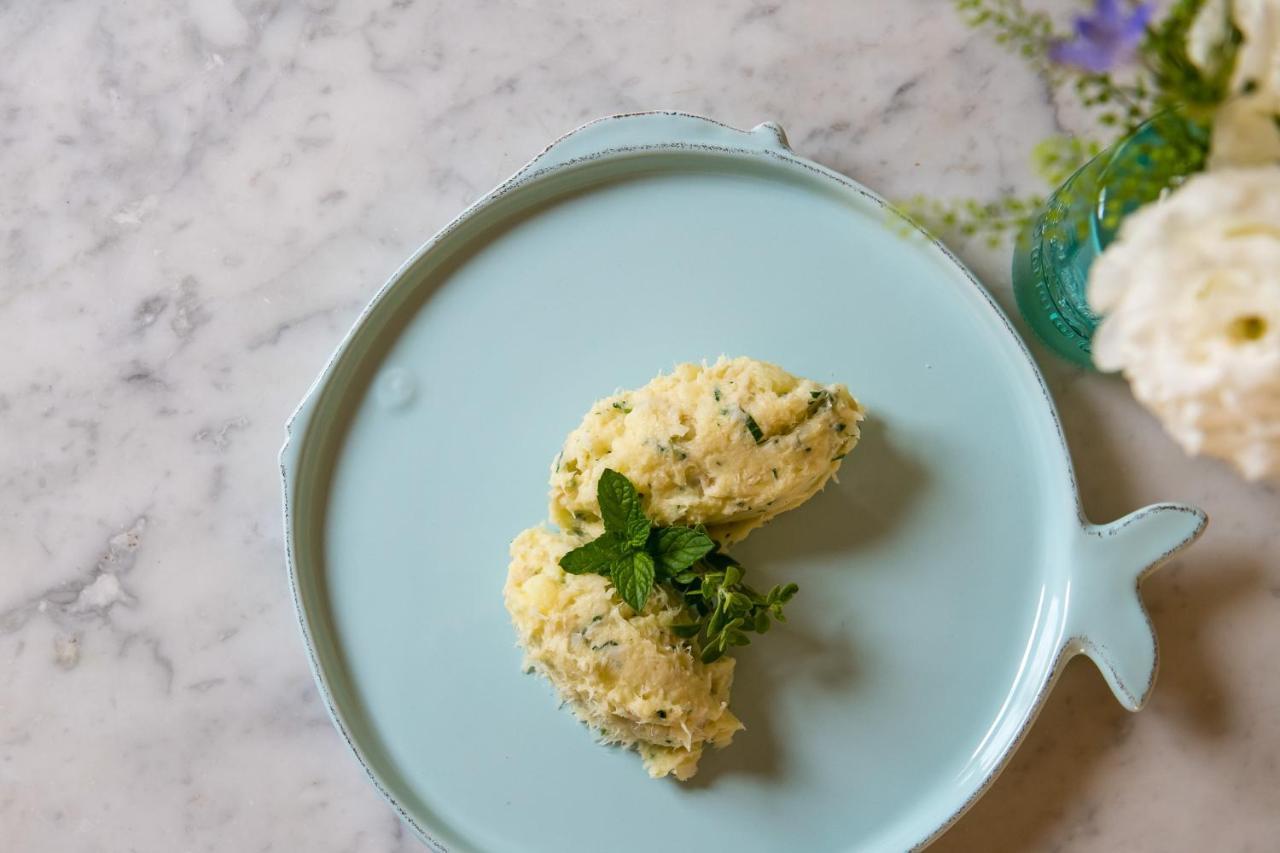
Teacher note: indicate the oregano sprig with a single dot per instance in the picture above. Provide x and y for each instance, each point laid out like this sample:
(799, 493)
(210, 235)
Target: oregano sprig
(725, 607)
(635, 555)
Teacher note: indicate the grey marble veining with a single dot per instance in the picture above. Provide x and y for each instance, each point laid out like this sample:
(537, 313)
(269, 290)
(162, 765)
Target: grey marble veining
(197, 200)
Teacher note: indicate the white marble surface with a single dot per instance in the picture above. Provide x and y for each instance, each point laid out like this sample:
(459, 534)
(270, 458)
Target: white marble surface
(196, 199)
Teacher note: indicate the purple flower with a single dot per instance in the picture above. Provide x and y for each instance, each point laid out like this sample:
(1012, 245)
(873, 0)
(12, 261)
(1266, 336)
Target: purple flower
(1104, 38)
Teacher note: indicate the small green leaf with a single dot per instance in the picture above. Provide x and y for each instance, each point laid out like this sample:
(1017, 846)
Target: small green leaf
(718, 619)
(732, 575)
(595, 556)
(621, 510)
(678, 548)
(633, 578)
(686, 631)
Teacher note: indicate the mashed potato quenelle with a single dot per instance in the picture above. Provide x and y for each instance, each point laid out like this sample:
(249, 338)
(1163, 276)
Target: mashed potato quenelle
(624, 673)
(729, 446)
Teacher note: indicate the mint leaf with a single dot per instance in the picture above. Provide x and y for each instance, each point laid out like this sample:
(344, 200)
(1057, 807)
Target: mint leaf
(620, 509)
(633, 578)
(595, 556)
(677, 548)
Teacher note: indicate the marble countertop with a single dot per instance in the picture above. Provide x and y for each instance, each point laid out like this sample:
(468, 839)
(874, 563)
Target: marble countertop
(196, 201)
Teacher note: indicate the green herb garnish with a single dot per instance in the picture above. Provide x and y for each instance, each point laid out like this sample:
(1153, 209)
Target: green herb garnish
(754, 428)
(635, 555)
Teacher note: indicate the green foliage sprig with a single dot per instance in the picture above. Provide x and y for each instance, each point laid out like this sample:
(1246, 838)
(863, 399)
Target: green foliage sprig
(1162, 79)
(1012, 25)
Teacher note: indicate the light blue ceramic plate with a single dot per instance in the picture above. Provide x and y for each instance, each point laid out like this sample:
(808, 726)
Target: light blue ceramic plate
(943, 582)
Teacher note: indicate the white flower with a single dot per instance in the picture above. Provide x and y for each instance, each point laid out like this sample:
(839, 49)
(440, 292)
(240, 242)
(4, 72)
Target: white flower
(1246, 128)
(1190, 298)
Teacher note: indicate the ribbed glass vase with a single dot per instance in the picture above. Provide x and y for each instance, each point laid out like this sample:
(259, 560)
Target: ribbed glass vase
(1052, 257)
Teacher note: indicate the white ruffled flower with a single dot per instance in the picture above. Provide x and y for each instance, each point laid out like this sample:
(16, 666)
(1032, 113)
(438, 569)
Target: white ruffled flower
(1246, 127)
(1190, 298)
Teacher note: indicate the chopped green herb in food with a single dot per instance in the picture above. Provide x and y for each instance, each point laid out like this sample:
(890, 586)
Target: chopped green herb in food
(754, 428)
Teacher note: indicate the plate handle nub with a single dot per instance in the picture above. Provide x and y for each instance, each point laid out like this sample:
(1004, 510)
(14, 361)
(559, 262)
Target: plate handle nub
(1105, 615)
(646, 131)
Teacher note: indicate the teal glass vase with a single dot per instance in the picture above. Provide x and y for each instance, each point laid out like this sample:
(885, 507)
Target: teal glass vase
(1053, 254)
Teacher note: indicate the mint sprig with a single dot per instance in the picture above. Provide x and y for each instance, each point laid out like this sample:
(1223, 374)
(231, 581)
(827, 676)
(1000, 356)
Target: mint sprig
(631, 551)
(635, 555)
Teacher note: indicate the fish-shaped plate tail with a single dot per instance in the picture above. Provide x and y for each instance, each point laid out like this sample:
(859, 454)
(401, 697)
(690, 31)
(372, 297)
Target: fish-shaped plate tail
(1105, 616)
